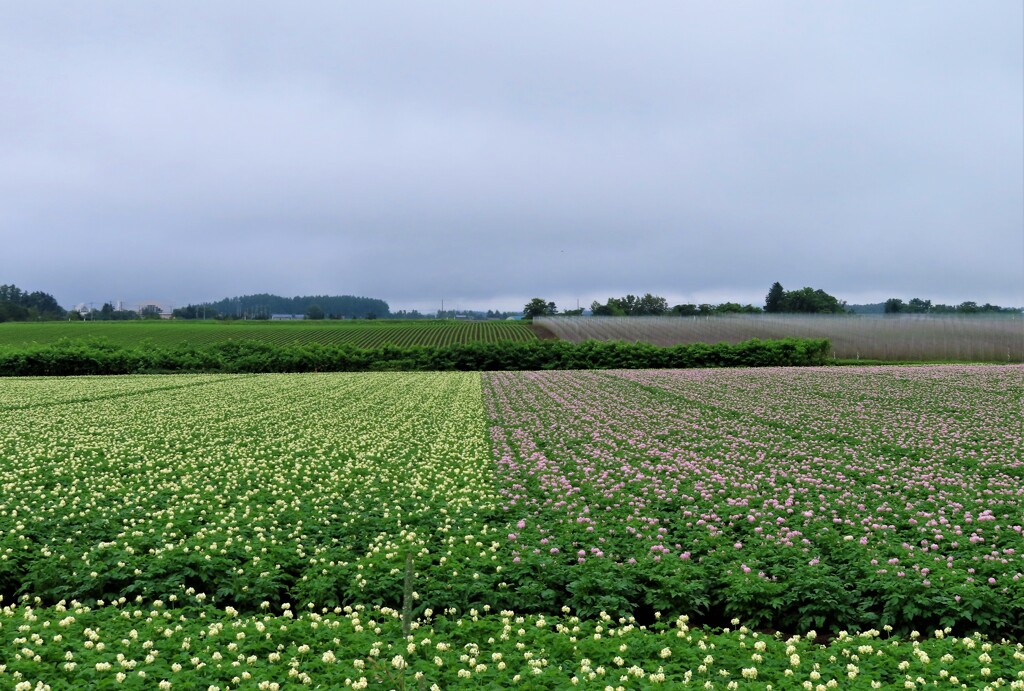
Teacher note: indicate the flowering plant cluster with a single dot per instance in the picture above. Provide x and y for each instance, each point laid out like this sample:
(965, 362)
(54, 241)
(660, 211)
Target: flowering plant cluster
(819, 498)
(246, 489)
(615, 529)
(135, 645)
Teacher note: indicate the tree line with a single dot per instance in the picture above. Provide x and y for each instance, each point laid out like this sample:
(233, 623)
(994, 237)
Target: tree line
(265, 305)
(803, 301)
(20, 305)
(919, 306)
(806, 300)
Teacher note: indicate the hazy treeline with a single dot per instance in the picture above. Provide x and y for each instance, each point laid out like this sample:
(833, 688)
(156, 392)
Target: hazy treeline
(95, 357)
(649, 305)
(806, 300)
(263, 305)
(919, 306)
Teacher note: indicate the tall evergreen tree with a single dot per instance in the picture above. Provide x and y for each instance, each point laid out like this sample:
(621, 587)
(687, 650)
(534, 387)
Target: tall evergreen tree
(773, 302)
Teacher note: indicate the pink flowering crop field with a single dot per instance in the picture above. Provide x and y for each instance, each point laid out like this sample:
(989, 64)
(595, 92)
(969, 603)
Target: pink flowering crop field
(790, 498)
(773, 528)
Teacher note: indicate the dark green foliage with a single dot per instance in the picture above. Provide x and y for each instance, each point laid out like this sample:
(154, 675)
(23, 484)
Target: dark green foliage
(19, 305)
(920, 306)
(12, 312)
(773, 301)
(804, 301)
(631, 306)
(810, 301)
(196, 312)
(706, 310)
(79, 357)
(263, 305)
(537, 307)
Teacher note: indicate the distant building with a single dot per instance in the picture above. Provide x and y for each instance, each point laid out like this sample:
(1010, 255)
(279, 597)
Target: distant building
(286, 317)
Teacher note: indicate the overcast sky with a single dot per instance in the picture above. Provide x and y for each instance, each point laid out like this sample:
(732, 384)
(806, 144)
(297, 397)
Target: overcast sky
(485, 153)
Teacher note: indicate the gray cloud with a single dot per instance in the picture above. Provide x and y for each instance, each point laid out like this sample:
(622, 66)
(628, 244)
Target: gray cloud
(489, 153)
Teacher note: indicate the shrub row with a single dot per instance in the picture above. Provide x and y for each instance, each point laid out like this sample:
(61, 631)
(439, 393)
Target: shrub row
(81, 357)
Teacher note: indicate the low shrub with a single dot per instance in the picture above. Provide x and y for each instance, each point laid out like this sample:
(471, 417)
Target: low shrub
(97, 357)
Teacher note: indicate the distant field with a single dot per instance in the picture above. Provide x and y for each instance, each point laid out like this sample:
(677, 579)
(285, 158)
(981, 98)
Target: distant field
(361, 333)
(978, 338)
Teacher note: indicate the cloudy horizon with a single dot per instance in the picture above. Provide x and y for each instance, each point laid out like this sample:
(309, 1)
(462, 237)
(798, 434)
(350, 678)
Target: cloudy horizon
(485, 154)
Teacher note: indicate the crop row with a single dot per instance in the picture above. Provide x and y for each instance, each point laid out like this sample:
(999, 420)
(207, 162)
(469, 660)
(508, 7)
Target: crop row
(128, 644)
(362, 334)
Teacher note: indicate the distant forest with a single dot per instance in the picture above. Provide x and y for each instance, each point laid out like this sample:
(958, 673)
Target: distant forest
(264, 306)
(919, 306)
(20, 305)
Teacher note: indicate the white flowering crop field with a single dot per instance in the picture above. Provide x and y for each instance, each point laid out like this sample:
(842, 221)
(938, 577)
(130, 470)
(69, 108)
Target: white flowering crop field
(247, 489)
(599, 529)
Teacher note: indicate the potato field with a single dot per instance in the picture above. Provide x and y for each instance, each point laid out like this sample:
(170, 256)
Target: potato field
(856, 527)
